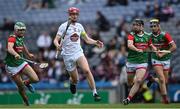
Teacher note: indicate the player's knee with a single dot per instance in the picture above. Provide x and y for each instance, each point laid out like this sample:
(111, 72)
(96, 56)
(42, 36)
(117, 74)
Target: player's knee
(162, 80)
(139, 80)
(87, 72)
(35, 79)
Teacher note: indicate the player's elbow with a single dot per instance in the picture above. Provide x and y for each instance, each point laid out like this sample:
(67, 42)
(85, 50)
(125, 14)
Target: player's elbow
(9, 49)
(175, 47)
(130, 46)
(55, 41)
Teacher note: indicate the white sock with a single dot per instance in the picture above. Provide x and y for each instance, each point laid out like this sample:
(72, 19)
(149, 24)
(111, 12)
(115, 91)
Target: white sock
(94, 91)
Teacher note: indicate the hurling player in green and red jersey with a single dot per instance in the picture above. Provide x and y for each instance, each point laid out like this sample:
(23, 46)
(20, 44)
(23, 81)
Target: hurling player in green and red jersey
(161, 61)
(137, 60)
(15, 66)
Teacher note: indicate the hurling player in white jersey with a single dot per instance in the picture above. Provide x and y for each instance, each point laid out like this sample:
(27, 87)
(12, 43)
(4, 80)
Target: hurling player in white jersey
(72, 52)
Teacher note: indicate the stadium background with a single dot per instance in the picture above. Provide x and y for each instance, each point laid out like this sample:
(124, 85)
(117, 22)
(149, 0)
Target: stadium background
(106, 20)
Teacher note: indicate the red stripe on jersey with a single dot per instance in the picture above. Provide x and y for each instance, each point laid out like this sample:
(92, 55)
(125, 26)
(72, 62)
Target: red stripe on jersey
(12, 39)
(130, 72)
(141, 68)
(157, 65)
(141, 45)
(166, 69)
(168, 37)
(19, 49)
(150, 42)
(130, 37)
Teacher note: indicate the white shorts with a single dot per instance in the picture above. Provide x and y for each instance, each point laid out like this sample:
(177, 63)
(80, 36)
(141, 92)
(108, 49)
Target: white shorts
(14, 70)
(165, 64)
(70, 60)
(132, 67)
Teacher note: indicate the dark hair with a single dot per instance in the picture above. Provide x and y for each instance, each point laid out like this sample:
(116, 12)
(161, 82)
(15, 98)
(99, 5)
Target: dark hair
(139, 21)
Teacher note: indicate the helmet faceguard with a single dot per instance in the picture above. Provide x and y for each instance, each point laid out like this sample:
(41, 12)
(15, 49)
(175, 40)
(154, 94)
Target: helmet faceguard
(20, 28)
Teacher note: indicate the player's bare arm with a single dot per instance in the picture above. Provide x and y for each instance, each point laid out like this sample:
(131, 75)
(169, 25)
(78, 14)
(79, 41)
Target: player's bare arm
(172, 48)
(153, 48)
(91, 41)
(172, 45)
(12, 51)
(56, 42)
(132, 47)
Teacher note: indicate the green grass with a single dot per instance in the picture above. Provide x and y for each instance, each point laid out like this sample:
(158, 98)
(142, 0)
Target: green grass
(95, 106)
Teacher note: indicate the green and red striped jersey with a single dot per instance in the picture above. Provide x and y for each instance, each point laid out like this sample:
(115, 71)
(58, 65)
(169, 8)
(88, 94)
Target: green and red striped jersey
(162, 42)
(18, 47)
(141, 42)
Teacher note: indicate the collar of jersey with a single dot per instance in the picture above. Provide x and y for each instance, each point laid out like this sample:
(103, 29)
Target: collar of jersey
(159, 32)
(140, 35)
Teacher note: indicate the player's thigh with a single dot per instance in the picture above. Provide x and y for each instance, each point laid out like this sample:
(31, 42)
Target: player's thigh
(28, 71)
(159, 71)
(140, 74)
(83, 64)
(130, 78)
(166, 67)
(18, 80)
(130, 69)
(70, 63)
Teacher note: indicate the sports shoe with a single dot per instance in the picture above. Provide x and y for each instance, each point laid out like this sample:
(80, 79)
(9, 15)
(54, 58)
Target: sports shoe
(30, 88)
(126, 101)
(165, 100)
(73, 88)
(26, 102)
(97, 97)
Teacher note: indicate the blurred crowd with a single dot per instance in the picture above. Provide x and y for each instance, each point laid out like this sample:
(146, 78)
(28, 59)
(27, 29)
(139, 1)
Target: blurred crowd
(107, 64)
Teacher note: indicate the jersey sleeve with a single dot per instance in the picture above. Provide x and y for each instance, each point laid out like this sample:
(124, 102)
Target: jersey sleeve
(168, 38)
(83, 32)
(12, 39)
(130, 37)
(61, 30)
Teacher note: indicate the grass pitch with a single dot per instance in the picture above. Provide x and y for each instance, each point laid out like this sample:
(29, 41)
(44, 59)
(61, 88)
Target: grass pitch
(94, 106)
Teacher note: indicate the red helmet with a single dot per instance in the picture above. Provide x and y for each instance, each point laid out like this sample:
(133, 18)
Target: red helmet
(73, 10)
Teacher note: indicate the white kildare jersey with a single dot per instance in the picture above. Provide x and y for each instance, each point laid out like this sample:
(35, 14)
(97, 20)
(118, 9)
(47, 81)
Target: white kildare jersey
(71, 43)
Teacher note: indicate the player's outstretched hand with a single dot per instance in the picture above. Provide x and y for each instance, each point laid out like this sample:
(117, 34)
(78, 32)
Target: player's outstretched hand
(99, 44)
